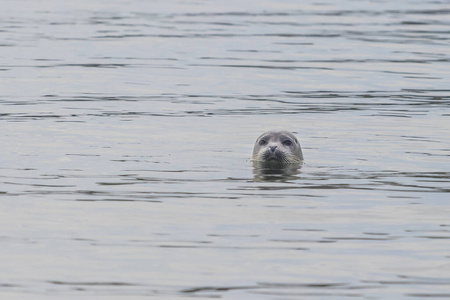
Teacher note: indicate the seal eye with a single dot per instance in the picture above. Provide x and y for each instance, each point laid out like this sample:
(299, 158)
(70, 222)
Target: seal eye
(262, 142)
(287, 143)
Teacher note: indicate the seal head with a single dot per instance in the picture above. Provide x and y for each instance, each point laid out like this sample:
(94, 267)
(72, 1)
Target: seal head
(278, 147)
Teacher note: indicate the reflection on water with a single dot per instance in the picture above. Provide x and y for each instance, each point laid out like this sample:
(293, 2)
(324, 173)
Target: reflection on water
(269, 171)
(127, 128)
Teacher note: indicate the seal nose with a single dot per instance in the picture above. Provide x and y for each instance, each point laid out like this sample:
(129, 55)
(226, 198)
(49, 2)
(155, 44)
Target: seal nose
(272, 148)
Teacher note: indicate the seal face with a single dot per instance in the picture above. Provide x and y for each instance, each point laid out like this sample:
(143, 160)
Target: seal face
(277, 147)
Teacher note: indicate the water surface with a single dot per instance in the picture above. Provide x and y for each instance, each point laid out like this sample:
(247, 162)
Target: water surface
(127, 131)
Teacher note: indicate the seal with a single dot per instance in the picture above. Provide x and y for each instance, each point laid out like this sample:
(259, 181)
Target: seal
(279, 147)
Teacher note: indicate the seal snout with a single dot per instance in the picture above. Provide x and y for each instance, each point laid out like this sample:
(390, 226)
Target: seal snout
(273, 148)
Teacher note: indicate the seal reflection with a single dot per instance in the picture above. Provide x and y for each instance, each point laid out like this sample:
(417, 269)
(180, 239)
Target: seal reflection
(273, 171)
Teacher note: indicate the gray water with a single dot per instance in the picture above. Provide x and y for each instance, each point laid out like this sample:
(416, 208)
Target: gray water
(127, 129)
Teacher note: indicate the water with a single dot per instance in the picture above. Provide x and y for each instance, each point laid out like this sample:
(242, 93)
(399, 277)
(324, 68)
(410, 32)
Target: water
(127, 131)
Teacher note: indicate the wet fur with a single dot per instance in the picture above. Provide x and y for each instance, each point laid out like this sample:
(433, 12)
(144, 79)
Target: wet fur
(283, 154)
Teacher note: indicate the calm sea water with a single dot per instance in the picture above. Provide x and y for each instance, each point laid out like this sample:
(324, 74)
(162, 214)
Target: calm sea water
(127, 129)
